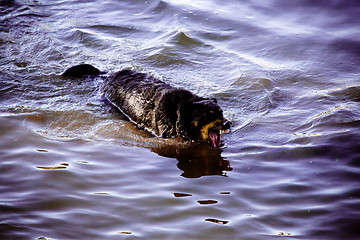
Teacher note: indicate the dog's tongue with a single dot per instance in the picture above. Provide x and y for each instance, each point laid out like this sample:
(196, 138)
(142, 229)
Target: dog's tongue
(215, 139)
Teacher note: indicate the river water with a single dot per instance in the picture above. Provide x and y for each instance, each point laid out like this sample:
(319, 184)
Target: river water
(286, 73)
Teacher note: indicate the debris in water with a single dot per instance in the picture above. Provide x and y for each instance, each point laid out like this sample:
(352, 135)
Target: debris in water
(207, 201)
(216, 221)
(61, 166)
(182, 195)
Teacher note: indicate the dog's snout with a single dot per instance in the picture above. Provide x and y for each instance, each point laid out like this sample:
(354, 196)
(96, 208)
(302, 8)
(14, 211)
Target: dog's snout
(227, 124)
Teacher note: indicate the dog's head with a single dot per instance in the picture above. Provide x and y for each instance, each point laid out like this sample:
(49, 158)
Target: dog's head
(203, 120)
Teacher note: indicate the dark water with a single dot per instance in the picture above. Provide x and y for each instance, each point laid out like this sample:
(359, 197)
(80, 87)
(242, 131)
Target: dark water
(286, 73)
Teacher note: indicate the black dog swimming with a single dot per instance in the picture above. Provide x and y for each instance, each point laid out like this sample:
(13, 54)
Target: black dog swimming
(160, 108)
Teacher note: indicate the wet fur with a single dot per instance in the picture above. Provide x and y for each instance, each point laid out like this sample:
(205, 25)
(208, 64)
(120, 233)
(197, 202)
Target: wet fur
(160, 108)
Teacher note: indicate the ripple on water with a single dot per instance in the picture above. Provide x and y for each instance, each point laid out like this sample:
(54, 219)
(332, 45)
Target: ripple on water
(285, 74)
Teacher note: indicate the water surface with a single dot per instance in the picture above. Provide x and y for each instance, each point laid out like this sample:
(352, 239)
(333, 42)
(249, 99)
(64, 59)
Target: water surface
(286, 73)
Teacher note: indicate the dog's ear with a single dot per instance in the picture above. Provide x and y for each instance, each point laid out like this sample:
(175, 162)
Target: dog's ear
(214, 99)
(206, 101)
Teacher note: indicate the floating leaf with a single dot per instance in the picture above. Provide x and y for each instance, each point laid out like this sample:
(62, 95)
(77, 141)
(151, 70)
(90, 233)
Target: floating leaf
(225, 193)
(207, 201)
(61, 166)
(51, 167)
(216, 221)
(42, 150)
(102, 193)
(182, 195)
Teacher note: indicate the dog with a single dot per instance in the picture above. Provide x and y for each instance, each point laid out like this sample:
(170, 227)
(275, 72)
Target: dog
(159, 108)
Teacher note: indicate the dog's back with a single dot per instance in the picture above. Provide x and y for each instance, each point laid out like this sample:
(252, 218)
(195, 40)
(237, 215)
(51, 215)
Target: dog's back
(147, 101)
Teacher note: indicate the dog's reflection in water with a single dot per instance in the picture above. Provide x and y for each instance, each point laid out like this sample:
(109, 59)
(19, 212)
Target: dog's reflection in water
(196, 160)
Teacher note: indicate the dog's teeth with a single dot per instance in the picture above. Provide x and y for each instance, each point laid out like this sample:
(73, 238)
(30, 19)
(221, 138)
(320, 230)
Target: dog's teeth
(224, 131)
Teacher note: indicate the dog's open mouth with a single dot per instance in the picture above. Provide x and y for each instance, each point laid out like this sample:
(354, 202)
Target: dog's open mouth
(212, 132)
(216, 137)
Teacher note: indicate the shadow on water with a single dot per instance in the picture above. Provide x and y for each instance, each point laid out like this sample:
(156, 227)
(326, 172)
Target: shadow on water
(196, 160)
